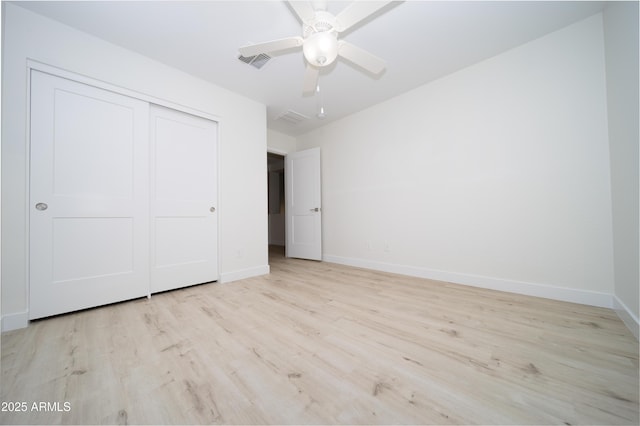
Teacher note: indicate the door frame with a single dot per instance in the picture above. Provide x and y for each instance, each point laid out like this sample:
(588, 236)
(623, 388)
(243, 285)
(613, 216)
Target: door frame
(284, 155)
(33, 65)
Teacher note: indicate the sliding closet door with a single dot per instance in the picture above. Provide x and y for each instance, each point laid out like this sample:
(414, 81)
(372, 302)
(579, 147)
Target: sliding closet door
(89, 218)
(184, 229)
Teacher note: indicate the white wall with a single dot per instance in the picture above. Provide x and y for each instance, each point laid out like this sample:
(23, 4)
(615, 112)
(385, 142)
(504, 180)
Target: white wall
(621, 42)
(280, 143)
(496, 176)
(243, 142)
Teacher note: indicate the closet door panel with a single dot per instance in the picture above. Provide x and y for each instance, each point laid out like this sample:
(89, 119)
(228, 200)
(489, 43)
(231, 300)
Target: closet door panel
(184, 246)
(88, 212)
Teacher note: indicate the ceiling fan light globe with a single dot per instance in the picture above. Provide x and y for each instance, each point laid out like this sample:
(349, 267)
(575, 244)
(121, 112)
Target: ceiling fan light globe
(321, 49)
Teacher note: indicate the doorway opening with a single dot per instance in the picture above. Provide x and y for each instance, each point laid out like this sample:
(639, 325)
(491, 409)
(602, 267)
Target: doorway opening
(276, 209)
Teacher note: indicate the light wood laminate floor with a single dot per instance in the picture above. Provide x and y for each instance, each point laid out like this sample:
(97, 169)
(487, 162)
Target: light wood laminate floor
(318, 343)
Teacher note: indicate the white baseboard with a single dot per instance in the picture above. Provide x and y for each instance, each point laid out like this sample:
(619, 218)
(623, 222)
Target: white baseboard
(228, 277)
(564, 294)
(21, 319)
(627, 317)
(15, 321)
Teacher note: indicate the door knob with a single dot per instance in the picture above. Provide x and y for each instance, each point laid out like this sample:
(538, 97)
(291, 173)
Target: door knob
(212, 209)
(42, 206)
(317, 209)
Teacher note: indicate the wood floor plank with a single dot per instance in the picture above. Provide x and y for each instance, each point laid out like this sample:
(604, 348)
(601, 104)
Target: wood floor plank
(319, 343)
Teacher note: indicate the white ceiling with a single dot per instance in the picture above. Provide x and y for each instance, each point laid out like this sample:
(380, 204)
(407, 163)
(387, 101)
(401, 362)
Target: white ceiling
(420, 40)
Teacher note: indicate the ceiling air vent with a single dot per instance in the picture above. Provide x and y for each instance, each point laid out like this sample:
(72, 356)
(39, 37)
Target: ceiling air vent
(292, 117)
(257, 61)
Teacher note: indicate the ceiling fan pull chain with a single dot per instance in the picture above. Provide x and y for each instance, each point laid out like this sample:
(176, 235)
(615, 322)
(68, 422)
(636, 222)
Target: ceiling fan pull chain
(321, 114)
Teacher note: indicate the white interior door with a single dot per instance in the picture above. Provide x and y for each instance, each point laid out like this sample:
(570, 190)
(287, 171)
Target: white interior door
(184, 229)
(89, 218)
(303, 205)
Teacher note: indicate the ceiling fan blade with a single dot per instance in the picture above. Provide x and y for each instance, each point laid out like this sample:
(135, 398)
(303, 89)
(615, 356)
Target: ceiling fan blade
(361, 57)
(304, 10)
(310, 79)
(271, 46)
(356, 12)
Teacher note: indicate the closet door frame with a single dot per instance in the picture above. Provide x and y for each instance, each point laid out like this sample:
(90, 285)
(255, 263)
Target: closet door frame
(33, 65)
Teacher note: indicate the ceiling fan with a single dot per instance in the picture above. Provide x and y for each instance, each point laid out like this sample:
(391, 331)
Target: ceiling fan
(319, 40)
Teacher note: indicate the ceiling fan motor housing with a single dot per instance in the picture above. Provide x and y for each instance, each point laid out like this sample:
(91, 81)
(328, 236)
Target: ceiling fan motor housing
(321, 22)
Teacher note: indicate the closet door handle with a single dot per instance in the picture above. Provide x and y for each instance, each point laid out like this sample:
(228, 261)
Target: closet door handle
(212, 209)
(42, 206)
